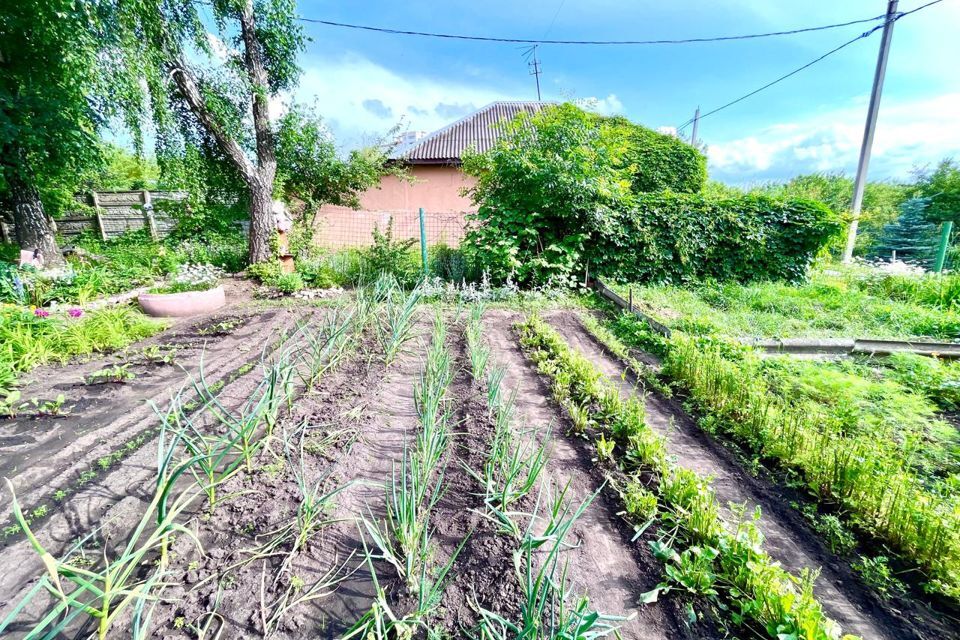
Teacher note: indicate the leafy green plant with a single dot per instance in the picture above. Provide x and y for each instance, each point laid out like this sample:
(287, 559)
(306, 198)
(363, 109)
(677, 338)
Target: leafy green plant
(28, 341)
(289, 282)
(10, 404)
(876, 572)
(387, 256)
(46, 408)
(756, 586)
(118, 373)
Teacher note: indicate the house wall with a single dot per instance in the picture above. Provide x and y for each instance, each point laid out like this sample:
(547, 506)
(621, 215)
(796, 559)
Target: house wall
(435, 188)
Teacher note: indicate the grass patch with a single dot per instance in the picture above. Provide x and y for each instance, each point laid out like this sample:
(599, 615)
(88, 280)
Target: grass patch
(821, 308)
(28, 340)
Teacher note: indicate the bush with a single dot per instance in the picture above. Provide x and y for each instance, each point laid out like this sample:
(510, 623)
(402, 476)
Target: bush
(676, 238)
(317, 273)
(448, 264)
(392, 257)
(289, 282)
(552, 180)
(660, 162)
(564, 190)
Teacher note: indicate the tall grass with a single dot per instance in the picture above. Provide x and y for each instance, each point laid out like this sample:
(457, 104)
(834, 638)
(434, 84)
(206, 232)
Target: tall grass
(28, 341)
(877, 489)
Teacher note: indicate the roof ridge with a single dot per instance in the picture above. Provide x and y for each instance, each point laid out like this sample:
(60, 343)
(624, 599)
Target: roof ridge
(422, 143)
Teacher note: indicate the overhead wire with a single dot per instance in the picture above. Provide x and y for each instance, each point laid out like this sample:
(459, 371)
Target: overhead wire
(454, 36)
(863, 35)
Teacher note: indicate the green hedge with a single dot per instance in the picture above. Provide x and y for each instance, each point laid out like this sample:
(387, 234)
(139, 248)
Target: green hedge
(660, 162)
(675, 238)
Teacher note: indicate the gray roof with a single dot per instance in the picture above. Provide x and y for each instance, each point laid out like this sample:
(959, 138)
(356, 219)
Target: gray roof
(476, 130)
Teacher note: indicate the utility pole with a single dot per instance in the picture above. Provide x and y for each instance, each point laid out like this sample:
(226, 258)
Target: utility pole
(696, 126)
(861, 179)
(534, 64)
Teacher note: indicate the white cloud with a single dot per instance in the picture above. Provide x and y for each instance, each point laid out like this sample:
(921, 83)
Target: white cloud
(909, 133)
(361, 99)
(608, 106)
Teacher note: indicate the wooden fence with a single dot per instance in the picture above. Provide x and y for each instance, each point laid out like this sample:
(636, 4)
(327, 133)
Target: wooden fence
(113, 213)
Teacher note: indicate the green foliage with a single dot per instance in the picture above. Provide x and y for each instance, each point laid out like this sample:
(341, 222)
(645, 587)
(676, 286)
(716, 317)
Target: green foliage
(391, 257)
(942, 187)
(563, 190)
(678, 238)
(660, 162)
(552, 180)
(940, 291)
(912, 236)
(448, 264)
(827, 306)
(310, 170)
(820, 424)
(877, 573)
(702, 550)
(881, 202)
(289, 282)
(57, 88)
(120, 264)
(938, 380)
(29, 341)
(317, 273)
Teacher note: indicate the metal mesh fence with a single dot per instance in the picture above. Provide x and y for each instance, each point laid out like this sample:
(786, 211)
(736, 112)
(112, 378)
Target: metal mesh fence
(342, 227)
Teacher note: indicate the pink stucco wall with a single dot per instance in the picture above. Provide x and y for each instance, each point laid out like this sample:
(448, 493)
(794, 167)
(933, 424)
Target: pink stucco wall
(435, 188)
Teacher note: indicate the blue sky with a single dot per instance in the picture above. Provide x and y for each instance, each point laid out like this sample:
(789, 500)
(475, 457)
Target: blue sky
(364, 83)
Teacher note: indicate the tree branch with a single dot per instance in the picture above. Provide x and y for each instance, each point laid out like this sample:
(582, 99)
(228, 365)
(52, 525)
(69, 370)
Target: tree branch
(187, 85)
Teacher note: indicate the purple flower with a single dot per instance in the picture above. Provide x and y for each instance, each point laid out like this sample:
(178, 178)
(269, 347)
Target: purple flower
(41, 313)
(75, 312)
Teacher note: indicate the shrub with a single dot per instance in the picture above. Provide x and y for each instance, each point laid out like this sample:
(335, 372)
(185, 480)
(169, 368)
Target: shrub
(317, 273)
(392, 257)
(660, 162)
(675, 238)
(289, 282)
(448, 264)
(551, 181)
(564, 190)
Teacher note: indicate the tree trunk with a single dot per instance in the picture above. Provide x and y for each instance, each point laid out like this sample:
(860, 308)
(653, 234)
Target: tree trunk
(259, 176)
(261, 220)
(34, 228)
(262, 224)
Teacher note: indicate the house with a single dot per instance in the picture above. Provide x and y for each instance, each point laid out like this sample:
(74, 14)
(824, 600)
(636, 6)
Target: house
(437, 182)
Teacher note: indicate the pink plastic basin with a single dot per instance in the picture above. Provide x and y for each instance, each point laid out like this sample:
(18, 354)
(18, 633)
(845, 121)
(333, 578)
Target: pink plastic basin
(189, 303)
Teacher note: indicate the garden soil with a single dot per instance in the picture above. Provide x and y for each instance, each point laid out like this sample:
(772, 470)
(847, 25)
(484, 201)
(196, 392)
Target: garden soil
(605, 562)
(789, 539)
(344, 436)
(44, 455)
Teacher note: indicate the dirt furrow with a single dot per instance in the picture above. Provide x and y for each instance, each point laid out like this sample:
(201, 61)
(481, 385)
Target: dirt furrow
(483, 574)
(116, 499)
(46, 454)
(788, 539)
(355, 426)
(606, 564)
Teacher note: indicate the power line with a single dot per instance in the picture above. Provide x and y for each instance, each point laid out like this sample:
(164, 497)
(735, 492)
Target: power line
(863, 35)
(452, 36)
